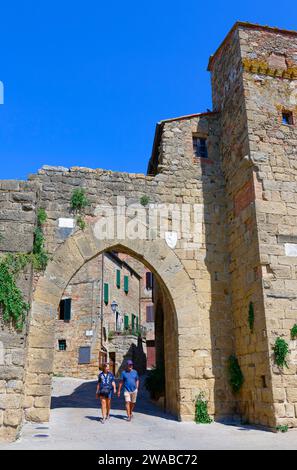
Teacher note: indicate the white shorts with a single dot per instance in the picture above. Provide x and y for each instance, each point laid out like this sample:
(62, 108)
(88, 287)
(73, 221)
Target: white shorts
(130, 396)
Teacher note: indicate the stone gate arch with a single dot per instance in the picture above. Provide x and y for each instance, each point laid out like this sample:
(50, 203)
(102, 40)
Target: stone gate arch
(178, 289)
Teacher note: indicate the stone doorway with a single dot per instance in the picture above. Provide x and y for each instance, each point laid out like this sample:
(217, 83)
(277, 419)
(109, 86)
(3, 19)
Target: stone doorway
(179, 305)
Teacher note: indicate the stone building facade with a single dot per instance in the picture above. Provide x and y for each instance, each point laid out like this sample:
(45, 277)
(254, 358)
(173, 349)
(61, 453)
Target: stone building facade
(100, 318)
(236, 166)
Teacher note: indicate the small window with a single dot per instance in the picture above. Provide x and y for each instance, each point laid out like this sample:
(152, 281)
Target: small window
(65, 310)
(149, 281)
(200, 147)
(62, 344)
(287, 118)
(84, 355)
(150, 314)
(126, 322)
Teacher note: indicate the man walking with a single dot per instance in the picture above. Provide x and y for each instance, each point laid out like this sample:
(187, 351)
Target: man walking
(130, 381)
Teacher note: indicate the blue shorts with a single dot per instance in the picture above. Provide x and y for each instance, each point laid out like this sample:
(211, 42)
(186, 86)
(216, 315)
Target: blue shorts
(109, 395)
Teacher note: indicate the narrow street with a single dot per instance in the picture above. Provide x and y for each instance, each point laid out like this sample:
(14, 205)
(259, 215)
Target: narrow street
(75, 425)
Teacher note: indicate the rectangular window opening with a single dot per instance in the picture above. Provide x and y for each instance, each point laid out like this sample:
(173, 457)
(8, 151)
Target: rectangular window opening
(62, 344)
(65, 310)
(287, 118)
(200, 147)
(149, 280)
(263, 378)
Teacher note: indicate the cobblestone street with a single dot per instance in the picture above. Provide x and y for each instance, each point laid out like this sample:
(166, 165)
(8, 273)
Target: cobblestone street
(75, 425)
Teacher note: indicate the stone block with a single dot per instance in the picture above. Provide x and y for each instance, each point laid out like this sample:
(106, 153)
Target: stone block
(38, 390)
(10, 401)
(42, 402)
(37, 415)
(13, 417)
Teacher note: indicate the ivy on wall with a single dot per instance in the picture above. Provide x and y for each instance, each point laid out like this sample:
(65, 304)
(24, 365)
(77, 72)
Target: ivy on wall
(236, 378)
(281, 351)
(14, 308)
(40, 256)
(294, 331)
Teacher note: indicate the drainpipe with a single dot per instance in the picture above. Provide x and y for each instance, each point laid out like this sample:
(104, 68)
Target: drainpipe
(102, 302)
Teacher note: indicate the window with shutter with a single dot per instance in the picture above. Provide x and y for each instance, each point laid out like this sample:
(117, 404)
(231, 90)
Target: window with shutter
(118, 278)
(65, 310)
(126, 322)
(126, 284)
(106, 293)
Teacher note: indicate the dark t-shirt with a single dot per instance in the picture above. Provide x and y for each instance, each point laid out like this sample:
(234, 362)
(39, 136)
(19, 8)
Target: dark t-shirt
(106, 379)
(129, 379)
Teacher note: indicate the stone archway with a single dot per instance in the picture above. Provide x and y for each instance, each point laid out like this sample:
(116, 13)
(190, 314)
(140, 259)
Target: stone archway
(180, 297)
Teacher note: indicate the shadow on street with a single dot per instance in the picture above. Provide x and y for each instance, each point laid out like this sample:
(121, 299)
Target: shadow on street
(84, 397)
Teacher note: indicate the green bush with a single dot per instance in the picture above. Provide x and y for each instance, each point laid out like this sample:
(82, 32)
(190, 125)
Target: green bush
(81, 222)
(294, 331)
(155, 382)
(144, 200)
(282, 428)
(201, 412)
(79, 200)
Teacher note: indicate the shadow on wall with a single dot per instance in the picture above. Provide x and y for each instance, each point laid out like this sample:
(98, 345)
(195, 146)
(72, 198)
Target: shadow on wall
(222, 403)
(137, 355)
(84, 397)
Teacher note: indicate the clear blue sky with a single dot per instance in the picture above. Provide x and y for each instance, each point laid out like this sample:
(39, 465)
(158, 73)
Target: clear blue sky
(86, 82)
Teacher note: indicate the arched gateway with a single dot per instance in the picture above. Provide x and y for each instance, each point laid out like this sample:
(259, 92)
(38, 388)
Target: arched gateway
(180, 310)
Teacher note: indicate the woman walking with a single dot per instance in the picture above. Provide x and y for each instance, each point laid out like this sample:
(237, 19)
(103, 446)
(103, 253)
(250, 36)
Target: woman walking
(106, 384)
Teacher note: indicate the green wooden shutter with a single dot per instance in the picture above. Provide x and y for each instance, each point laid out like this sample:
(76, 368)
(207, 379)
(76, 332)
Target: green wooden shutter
(126, 322)
(106, 293)
(67, 309)
(118, 281)
(126, 284)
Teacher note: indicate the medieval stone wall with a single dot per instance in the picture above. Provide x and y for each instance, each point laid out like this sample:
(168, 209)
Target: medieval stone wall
(17, 222)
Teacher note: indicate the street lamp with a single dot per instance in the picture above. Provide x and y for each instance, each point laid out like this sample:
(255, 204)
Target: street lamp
(114, 306)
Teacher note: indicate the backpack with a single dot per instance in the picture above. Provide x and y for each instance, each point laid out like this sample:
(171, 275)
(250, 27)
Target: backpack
(105, 384)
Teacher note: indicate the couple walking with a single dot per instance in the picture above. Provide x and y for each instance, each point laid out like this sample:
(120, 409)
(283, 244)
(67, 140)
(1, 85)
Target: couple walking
(106, 385)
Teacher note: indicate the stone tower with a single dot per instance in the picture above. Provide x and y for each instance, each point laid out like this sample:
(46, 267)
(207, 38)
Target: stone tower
(254, 87)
